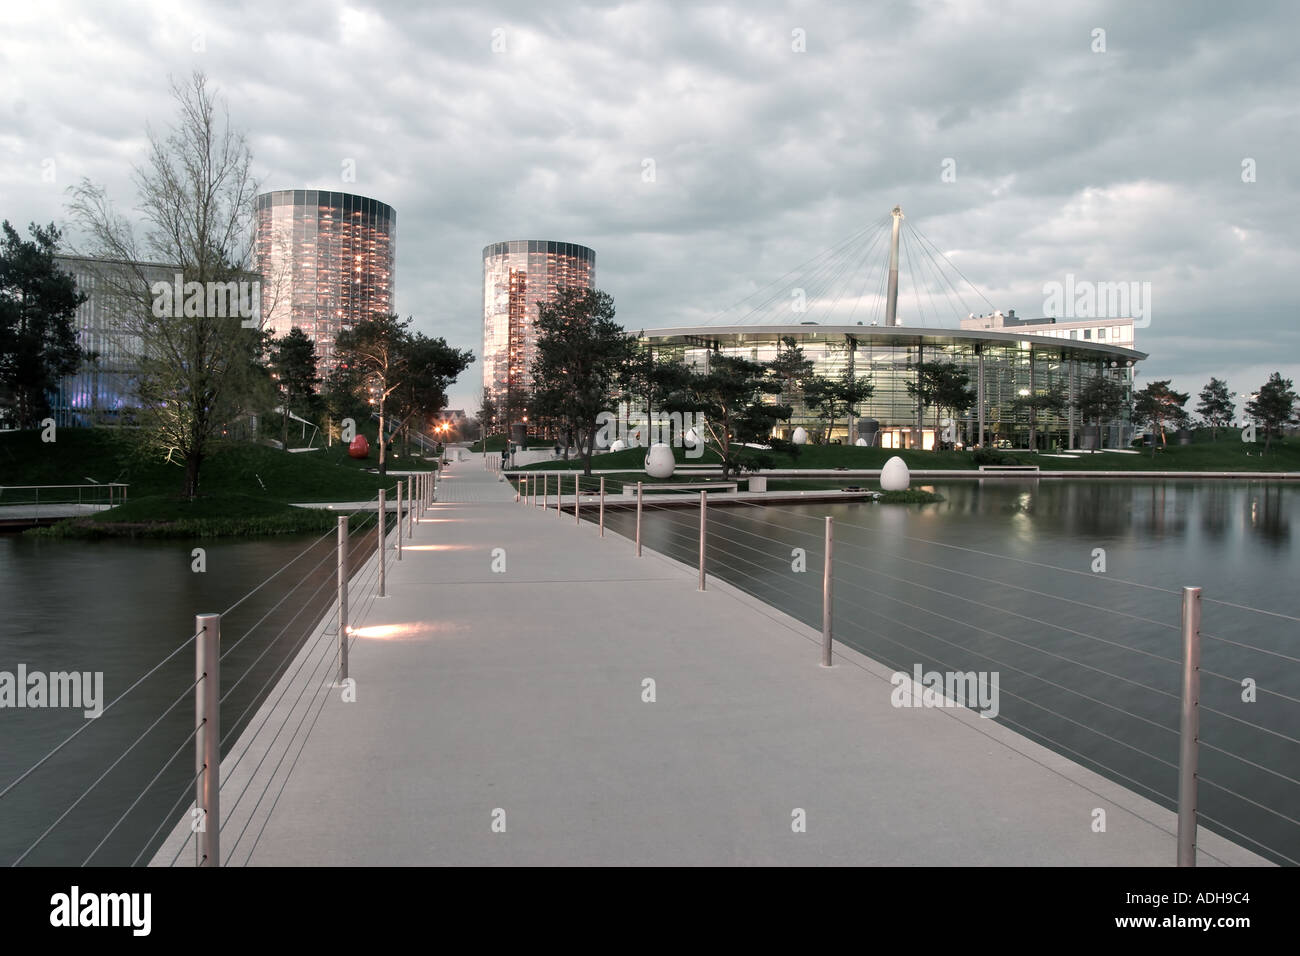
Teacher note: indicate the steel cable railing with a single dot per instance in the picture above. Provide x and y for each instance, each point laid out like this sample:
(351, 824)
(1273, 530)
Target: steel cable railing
(153, 670)
(147, 787)
(271, 776)
(751, 554)
(186, 793)
(111, 767)
(323, 658)
(208, 631)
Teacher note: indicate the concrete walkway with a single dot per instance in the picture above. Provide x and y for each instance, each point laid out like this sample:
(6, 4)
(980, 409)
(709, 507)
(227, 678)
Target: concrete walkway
(514, 701)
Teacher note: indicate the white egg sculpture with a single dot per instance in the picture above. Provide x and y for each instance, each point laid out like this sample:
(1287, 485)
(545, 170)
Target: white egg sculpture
(659, 461)
(895, 476)
(861, 443)
(619, 445)
(800, 437)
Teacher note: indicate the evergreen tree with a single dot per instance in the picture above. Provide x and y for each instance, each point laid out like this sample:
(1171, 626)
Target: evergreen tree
(581, 353)
(1099, 400)
(833, 397)
(730, 395)
(1050, 400)
(293, 363)
(38, 306)
(943, 386)
(1273, 407)
(1217, 406)
(1159, 405)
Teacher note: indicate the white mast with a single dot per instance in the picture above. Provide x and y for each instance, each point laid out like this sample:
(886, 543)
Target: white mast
(891, 303)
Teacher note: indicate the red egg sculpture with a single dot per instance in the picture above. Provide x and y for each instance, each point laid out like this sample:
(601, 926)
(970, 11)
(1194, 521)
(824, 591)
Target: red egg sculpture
(360, 448)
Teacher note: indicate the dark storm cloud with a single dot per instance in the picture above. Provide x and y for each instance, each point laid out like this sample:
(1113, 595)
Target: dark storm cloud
(1115, 166)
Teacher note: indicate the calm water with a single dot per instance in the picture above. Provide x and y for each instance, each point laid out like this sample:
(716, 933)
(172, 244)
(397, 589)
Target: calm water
(1087, 665)
(121, 608)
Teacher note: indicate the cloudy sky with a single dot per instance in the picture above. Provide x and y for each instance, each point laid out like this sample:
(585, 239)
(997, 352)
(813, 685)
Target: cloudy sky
(1163, 150)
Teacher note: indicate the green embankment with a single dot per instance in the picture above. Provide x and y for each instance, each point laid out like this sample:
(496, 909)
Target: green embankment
(1227, 454)
(245, 488)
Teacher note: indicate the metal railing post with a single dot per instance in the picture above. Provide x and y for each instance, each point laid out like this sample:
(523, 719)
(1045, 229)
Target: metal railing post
(827, 578)
(559, 495)
(207, 741)
(411, 505)
(1189, 727)
(343, 598)
(704, 518)
(602, 506)
(638, 519)
(577, 500)
(400, 519)
(379, 548)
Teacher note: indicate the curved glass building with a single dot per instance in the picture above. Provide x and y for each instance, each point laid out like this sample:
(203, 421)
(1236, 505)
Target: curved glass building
(326, 260)
(1002, 366)
(519, 275)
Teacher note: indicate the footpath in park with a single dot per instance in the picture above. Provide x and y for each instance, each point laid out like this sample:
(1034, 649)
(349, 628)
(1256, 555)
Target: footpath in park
(503, 715)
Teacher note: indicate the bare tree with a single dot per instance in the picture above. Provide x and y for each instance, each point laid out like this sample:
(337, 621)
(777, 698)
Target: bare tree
(198, 368)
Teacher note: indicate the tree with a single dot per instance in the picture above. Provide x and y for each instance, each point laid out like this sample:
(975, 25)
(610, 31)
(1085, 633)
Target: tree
(487, 416)
(943, 386)
(1217, 406)
(791, 368)
(38, 340)
(730, 394)
(834, 396)
(1050, 400)
(1273, 406)
(340, 394)
(376, 349)
(199, 369)
(1159, 405)
(654, 381)
(581, 352)
(429, 367)
(1099, 400)
(293, 363)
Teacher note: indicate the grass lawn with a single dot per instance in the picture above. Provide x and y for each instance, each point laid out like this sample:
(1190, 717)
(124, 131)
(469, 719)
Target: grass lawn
(1227, 454)
(244, 488)
(164, 516)
(497, 443)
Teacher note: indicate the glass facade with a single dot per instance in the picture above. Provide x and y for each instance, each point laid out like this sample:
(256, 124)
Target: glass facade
(101, 390)
(326, 260)
(518, 276)
(1014, 365)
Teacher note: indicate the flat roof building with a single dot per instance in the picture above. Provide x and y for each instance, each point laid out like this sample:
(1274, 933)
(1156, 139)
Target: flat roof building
(1002, 364)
